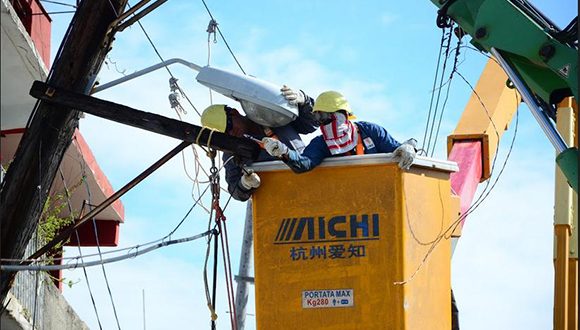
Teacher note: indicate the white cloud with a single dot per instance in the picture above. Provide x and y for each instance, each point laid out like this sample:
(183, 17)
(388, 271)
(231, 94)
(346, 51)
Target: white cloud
(388, 19)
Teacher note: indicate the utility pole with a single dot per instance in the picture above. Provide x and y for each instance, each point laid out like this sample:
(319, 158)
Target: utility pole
(244, 280)
(29, 178)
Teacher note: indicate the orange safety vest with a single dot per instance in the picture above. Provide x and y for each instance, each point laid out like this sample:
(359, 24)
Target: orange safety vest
(359, 149)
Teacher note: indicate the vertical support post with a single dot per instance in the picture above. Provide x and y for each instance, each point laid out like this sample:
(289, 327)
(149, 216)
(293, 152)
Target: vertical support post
(563, 226)
(573, 291)
(29, 178)
(244, 270)
(562, 245)
(573, 256)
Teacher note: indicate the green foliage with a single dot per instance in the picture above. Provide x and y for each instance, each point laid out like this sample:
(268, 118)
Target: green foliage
(66, 281)
(51, 222)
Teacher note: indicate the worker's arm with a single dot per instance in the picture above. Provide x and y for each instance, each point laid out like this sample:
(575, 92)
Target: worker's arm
(312, 156)
(382, 141)
(233, 175)
(305, 122)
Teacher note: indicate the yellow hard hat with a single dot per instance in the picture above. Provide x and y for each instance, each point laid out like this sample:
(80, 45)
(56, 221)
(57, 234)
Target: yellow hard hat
(332, 101)
(214, 117)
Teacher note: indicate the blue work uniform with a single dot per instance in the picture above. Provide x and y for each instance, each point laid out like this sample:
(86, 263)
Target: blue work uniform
(288, 134)
(375, 140)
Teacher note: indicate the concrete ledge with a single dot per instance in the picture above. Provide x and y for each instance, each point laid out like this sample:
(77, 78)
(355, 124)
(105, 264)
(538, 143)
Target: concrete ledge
(55, 313)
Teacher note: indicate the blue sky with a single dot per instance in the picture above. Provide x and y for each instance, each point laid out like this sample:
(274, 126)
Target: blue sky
(382, 56)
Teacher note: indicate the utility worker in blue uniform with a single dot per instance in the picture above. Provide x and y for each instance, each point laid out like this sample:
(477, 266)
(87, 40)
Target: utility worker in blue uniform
(340, 137)
(243, 182)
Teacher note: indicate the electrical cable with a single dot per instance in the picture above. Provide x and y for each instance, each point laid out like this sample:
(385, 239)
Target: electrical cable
(211, 28)
(36, 280)
(487, 189)
(87, 280)
(166, 67)
(496, 131)
(453, 70)
(446, 57)
(482, 196)
(40, 208)
(227, 268)
(485, 193)
(54, 12)
(186, 215)
(114, 9)
(135, 247)
(36, 237)
(182, 92)
(99, 250)
(205, 281)
(59, 3)
(223, 38)
(214, 283)
(15, 268)
(67, 192)
(180, 89)
(433, 88)
(197, 168)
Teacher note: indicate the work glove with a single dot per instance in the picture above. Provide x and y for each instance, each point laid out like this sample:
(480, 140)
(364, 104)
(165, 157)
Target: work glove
(250, 180)
(406, 153)
(274, 147)
(293, 97)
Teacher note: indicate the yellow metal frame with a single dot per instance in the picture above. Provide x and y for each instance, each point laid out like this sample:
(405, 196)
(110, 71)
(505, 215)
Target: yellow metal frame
(566, 229)
(413, 212)
(487, 123)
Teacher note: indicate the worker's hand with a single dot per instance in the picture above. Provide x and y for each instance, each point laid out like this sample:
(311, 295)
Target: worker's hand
(406, 153)
(293, 97)
(250, 180)
(274, 147)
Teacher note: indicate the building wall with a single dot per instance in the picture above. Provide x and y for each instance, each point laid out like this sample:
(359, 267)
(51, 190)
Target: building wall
(37, 23)
(25, 286)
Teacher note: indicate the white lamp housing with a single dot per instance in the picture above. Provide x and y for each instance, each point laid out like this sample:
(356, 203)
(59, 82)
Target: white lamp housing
(261, 100)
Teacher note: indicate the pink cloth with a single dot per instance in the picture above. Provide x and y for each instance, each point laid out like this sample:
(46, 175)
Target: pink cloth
(340, 135)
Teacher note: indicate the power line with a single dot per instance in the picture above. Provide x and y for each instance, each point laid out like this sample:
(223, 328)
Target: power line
(59, 3)
(453, 70)
(15, 268)
(67, 193)
(166, 67)
(100, 255)
(446, 57)
(223, 38)
(487, 189)
(135, 247)
(87, 279)
(485, 193)
(433, 88)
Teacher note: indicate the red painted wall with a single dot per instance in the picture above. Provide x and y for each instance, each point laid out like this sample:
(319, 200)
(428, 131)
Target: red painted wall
(38, 25)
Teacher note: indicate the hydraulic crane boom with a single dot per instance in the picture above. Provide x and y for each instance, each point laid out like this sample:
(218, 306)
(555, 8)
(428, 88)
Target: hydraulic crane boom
(539, 59)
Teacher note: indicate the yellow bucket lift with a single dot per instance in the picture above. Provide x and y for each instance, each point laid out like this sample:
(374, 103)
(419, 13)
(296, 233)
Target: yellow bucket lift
(345, 246)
